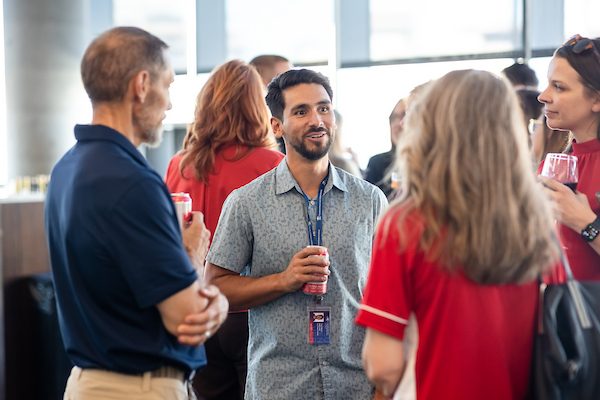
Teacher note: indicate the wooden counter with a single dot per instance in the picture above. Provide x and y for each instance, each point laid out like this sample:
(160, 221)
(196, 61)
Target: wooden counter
(23, 252)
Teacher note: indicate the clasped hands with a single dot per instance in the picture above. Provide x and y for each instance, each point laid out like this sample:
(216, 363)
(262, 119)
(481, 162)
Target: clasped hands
(198, 327)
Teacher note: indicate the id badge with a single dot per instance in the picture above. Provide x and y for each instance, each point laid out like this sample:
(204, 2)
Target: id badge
(319, 318)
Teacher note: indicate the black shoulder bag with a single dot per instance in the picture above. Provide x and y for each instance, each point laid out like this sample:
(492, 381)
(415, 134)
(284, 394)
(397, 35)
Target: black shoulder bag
(566, 360)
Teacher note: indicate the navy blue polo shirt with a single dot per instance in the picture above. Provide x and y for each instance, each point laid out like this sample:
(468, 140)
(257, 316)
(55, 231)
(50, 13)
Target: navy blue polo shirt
(116, 252)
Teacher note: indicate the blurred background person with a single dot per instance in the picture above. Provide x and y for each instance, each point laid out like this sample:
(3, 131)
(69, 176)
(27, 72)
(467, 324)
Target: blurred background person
(532, 109)
(572, 103)
(521, 76)
(228, 145)
(530, 105)
(461, 248)
(379, 167)
(268, 67)
(340, 156)
(545, 140)
(525, 82)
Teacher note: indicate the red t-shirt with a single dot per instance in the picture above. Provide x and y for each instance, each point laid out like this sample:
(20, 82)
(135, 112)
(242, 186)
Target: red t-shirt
(584, 260)
(475, 341)
(229, 173)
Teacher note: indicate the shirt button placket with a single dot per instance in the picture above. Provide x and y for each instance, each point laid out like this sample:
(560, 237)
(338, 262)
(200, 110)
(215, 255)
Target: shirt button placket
(325, 377)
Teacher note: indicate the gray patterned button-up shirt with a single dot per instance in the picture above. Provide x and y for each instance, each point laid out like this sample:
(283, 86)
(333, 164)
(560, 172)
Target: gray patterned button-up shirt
(262, 225)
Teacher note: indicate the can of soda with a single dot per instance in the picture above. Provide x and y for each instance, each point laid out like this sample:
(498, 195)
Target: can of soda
(317, 288)
(183, 206)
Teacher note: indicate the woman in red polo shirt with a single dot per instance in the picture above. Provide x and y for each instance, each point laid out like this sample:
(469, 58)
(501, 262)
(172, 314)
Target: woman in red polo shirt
(572, 103)
(229, 144)
(461, 248)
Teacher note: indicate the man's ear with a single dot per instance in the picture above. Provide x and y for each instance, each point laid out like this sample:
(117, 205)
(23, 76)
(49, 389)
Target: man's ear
(140, 85)
(277, 127)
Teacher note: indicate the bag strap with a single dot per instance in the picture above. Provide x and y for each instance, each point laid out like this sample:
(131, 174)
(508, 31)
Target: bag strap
(574, 289)
(563, 259)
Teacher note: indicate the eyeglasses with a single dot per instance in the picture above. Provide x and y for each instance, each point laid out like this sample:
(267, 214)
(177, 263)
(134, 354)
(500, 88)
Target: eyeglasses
(580, 45)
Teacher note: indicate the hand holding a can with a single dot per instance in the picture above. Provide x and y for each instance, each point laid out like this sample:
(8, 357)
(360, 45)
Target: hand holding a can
(196, 239)
(311, 264)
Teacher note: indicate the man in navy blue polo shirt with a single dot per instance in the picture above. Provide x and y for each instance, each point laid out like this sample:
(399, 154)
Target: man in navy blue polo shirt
(131, 312)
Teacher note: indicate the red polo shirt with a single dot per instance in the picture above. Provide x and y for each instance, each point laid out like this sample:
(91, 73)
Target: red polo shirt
(229, 173)
(475, 341)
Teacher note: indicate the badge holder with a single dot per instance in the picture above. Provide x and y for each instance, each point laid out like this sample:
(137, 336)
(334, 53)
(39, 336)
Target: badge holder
(319, 318)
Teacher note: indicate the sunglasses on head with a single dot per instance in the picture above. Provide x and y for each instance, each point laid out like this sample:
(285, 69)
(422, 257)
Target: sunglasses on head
(580, 45)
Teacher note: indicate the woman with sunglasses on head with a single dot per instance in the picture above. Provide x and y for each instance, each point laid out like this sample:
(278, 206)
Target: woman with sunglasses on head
(461, 247)
(572, 103)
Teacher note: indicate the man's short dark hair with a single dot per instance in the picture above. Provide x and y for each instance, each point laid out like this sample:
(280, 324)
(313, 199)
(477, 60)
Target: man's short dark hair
(521, 74)
(115, 56)
(288, 79)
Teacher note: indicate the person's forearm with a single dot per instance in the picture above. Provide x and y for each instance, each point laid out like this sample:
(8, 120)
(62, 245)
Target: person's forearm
(245, 292)
(383, 361)
(175, 308)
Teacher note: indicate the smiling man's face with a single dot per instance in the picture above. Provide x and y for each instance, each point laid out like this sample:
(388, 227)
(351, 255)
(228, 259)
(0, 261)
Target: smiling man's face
(308, 124)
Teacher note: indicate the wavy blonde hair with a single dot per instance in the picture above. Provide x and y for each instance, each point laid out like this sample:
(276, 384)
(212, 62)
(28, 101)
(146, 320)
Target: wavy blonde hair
(466, 170)
(230, 109)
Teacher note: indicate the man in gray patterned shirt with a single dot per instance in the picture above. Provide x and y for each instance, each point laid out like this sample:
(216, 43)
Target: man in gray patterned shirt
(301, 346)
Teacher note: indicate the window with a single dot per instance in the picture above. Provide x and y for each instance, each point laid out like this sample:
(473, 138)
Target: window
(168, 22)
(366, 96)
(429, 28)
(540, 66)
(3, 138)
(581, 16)
(300, 30)
(183, 94)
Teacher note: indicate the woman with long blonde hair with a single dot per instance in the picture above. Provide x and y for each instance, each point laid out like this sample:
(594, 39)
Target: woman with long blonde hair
(461, 248)
(228, 145)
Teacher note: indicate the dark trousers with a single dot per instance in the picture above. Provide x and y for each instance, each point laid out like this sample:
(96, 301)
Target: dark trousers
(224, 377)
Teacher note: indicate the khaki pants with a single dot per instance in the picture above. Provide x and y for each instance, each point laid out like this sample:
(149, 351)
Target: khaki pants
(93, 384)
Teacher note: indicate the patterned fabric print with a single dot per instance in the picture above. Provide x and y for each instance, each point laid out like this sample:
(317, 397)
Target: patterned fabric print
(262, 225)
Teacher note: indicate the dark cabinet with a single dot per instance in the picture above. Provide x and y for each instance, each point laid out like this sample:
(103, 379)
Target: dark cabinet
(32, 358)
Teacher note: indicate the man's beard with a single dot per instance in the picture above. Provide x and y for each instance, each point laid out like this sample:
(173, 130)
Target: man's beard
(148, 134)
(152, 137)
(312, 154)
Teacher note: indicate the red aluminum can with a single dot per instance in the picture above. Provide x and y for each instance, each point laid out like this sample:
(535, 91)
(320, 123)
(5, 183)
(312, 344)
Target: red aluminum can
(318, 288)
(183, 206)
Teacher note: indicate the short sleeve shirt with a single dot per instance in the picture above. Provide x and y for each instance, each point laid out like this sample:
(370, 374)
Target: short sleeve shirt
(475, 341)
(262, 226)
(116, 252)
(230, 172)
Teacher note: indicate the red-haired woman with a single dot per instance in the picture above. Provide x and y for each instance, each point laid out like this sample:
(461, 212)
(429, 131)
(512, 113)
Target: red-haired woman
(228, 145)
